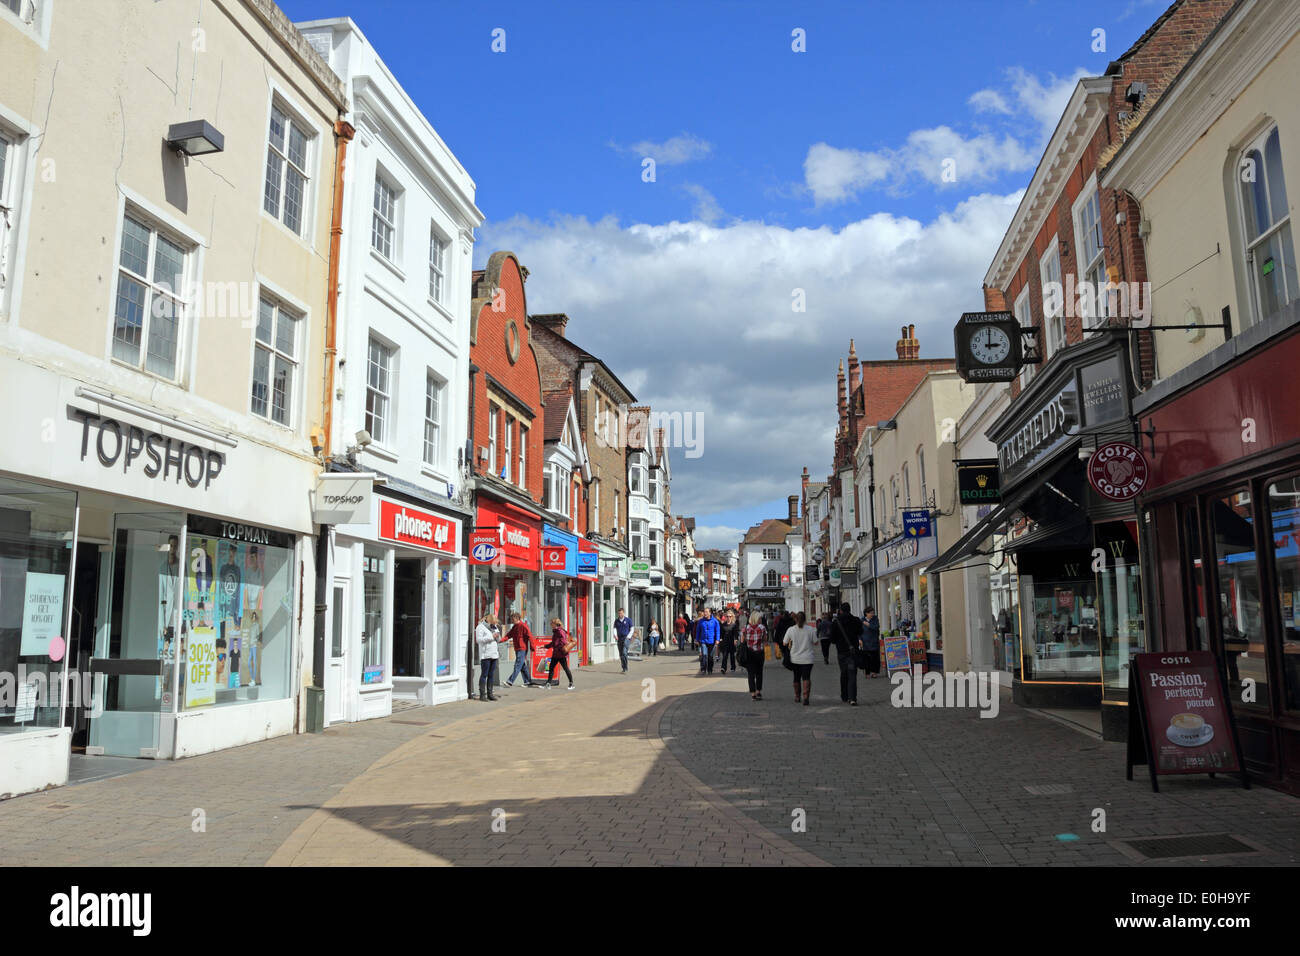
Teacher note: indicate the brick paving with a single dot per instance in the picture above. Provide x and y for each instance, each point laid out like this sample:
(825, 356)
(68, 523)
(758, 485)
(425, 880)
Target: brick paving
(600, 776)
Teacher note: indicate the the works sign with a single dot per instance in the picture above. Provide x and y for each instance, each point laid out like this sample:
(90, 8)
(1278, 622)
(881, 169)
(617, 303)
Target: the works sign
(1042, 433)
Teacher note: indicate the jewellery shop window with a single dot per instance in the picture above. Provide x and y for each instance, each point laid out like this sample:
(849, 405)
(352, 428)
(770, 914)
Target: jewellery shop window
(1058, 600)
(1120, 623)
(35, 537)
(1240, 598)
(237, 615)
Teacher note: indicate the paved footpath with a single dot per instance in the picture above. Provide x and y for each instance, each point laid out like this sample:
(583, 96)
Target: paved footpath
(687, 771)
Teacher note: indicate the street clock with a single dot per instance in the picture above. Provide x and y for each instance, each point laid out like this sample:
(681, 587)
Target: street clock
(988, 347)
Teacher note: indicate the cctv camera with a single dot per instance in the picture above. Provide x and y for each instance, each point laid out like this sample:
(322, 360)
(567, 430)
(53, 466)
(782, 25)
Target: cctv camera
(363, 438)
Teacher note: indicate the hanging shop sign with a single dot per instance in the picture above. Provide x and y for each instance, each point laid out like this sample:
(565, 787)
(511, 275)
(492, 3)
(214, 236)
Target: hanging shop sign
(554, 557)
(988, 346)
(819, 554)
(1181, 723)
(588, 561)
(483, 548)
(342, 498)
(405, 525)
(916, 523)
(1118, 471)
(1042, 433)
(518, 539)
(683, 584)
(640, 571)
(848, 577)
(1103, 395)
(978, 482)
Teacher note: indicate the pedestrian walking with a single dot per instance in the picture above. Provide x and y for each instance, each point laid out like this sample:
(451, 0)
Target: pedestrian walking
(781, 623)
(755, 636)
(801, 638)
(655, 637)
(729, 635)
(706, 636)
(487, 636)
(824, 635)
(846, 632)
(560, 646)
(679, 629)
(522, 640)
(690, 629)
(622, 628)
(871, 641)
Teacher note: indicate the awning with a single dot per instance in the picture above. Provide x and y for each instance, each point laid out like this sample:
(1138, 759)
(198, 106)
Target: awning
(969, 543)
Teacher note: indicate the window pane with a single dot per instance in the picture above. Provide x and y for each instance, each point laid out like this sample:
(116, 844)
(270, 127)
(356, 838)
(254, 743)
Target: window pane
(271, 193)
(281, 391)
(1275, 271)
(1284, 512)
(129, 320)
(377, 375)
(163, 330)
(376, 406)
(1254, 194)
(265, 320)
(297, 147)
(278, 123)
(1276, 182)
(285, 333)
(293, 188)
(135, 246)
(168, 264)
(261, 381)
(1240, 608)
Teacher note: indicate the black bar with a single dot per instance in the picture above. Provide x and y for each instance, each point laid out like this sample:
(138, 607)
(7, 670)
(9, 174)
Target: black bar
(145, 667)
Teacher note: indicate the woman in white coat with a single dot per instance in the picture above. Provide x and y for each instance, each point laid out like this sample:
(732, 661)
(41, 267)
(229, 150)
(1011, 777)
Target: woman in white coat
(487, 635)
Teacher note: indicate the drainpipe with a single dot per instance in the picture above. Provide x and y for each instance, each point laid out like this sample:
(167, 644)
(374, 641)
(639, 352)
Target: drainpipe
(343, 133)
(469, 568)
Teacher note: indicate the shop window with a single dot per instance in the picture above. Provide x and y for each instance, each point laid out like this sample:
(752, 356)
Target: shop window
(284, 195)
(1270, 252)
(1284, 515)
(36, 525)
(1058, 600)
(379, 389)
(446, 606)
(372, 617)
(1120, 623)
(275, 361)
(238, 612)
(408, 617)
(149, 310)
(1240, 599)
(1194, 571)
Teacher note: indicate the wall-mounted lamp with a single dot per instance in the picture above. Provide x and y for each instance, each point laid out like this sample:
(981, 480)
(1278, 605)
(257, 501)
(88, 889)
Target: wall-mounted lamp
(888, 426)
(195, 138)
(1065, 248)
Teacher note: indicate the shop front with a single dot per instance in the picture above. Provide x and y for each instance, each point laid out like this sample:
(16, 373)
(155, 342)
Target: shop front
(149, 583)
(1222, 526)
(1070, 472)
(567, 597)
(641, 597)
(511, 580)
(907, 597)
(396, 609)
(612, 588)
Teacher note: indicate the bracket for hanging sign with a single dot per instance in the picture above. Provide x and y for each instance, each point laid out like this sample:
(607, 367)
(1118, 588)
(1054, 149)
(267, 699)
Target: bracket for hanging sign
(1030, 351)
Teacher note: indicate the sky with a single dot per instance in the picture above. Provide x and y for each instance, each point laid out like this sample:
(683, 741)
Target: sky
(868, 177)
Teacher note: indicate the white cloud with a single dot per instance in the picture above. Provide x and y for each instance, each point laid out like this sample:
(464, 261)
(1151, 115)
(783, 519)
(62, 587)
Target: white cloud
(671, 152)
(988, 101)
(718, 536)
(706, 208)
(698, 318)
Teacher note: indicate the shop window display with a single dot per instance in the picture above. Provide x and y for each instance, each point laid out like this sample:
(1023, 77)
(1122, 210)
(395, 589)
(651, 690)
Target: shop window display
(1120, 622)
(1284, 514)
(446, 605)
(36, 528)
(1059, 619)
(372, 623)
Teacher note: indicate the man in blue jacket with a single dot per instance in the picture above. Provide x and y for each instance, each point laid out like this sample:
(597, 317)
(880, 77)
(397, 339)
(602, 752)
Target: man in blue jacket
(706, 635)
(622, 628)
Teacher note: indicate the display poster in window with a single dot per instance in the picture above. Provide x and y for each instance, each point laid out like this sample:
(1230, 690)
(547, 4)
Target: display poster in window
(1183, 723)
(25, 705)
(202, 651)
(897, 657)
(42, 613)
(1064, 600)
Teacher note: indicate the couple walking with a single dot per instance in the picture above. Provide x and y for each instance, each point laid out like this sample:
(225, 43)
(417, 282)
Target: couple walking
(722, 633)
(857, 645)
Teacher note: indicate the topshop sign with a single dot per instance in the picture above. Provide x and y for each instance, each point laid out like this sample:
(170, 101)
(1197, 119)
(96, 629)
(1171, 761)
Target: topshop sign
(131, 448)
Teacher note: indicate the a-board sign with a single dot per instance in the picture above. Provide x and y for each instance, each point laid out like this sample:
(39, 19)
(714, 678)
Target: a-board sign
(896, 654)
(1180, 720)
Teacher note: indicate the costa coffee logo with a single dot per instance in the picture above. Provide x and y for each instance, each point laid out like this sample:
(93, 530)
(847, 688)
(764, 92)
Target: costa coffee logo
(1118, 471)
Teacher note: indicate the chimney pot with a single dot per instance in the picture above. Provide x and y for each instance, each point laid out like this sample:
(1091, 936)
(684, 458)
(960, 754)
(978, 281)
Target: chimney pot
(794, 508)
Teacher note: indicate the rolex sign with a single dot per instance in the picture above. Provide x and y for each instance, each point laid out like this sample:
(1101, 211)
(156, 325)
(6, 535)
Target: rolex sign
(977, 482)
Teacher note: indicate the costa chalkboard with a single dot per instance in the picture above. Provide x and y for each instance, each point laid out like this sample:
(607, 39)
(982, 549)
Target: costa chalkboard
(1180, 720)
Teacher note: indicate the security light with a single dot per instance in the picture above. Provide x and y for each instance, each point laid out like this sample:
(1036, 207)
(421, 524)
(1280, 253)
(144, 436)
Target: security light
(363, 438)
(195, 138)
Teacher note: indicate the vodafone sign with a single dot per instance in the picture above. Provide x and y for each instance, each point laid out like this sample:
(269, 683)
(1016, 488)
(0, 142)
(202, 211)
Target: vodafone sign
(554, 557)
(1118, 471)
(403, 524)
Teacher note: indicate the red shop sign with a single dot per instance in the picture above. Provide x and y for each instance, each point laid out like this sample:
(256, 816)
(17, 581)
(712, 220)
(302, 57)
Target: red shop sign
(484, 548)
(517, 540)
(403, 524)
(1118, 471)
(554, 557)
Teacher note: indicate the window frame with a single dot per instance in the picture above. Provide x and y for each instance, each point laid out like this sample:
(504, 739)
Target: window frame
(189, 247)
(387, 418)
(1025, 319)
(435, 388)
(1101, 304)
(393, 225)
(523, 456)
(508, 448)
(293, 119)
(1054, 335)
(297, 315)
(1278, 228)
(442, 245)
(494, 418)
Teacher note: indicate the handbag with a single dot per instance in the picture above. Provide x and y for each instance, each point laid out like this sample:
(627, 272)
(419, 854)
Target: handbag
(742, 655)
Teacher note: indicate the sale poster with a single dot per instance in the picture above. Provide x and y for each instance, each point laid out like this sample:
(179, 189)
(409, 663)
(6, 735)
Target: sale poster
(201, 669)
(42, 613)
(205, 655)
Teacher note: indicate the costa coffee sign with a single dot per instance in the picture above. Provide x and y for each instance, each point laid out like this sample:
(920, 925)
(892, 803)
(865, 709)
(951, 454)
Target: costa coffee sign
(403, 524)
(1118, 471)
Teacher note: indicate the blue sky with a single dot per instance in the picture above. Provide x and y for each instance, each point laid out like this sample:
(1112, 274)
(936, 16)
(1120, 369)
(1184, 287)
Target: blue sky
(775, 170)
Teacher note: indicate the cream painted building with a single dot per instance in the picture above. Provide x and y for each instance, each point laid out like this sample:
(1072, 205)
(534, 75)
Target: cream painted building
(913, 470)
(162, 320)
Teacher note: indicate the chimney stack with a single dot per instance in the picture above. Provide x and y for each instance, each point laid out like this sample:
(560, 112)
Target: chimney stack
(794, 509)
(804, 485)
(994, 300)
(909, 349)
(843, 405)
(555, 321)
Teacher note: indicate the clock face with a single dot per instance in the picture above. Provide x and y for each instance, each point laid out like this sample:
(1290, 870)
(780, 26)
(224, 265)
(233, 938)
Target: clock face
(990, 345)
